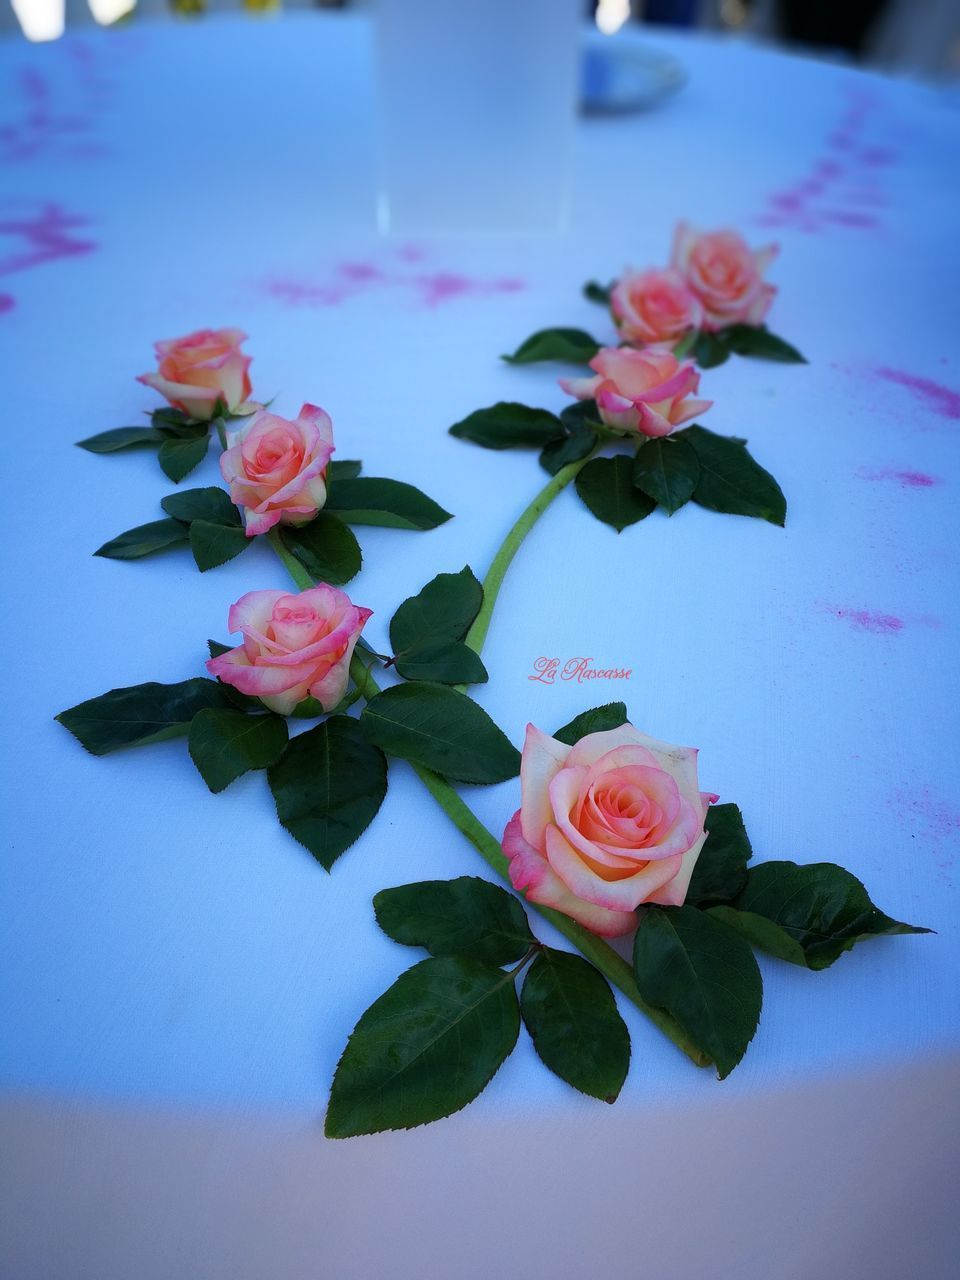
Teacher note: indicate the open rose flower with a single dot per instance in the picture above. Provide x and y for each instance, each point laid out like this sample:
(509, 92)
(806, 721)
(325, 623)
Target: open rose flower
(654, 306)
(642, 391)
(277, 469)
(294, 646)
(605, 825)
(725, 274)
(196, 372)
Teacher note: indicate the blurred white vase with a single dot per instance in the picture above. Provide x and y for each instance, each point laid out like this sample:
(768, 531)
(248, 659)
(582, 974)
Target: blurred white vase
(477, 101)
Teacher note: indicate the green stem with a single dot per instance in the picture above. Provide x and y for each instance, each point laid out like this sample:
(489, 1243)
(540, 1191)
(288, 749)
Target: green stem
(290, 562)
(511, 545)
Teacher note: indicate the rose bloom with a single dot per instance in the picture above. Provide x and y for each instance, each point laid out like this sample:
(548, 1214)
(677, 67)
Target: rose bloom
(196, 371)
(294, 646)
(277, 469)
(725, 275)
(641, 391)
(654, 306)
(605, 825)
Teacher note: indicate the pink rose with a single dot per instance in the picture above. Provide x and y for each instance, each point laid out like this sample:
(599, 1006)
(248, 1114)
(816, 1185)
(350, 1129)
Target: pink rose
(196, 371)
(643, 391)
(277, 469)
(294, 646)
(725, 275)
(605, 825)
(654, 306)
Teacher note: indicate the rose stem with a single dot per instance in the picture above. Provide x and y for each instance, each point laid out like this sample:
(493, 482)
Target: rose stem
(511, 545)
(598, 952)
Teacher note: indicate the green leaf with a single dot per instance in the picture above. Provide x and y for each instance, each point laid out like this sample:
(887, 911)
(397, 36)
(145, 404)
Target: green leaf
(217, 649)
(225, 744)
(809, 914)
(598, 720)
(667, 470)
(730, 481)
(573, 346)
(214, 544)
(326, 547)
(709, 350)
(721, 869)
(140, 713)
(425, 1049)
(390, 503)
(120, 438)
(579, 421)
(761, 933)
(211, 504)
(593, 291)
(582, 413)
(507, 425)
(450, 662)
(328, 786)
(440, 729)
(343, 469)
(172, 424)
(179, 457)
(442, 610)
(463, 917)
(705, 975)
(572, 1017)
(758, 341)
(606, 488)
(427, 629)
(144, 540)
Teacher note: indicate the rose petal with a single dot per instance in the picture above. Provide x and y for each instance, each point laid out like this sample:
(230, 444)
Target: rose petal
(540, 760)
(531, 874)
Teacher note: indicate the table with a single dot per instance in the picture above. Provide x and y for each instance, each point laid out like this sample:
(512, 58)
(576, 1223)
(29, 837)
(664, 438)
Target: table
(178, 976)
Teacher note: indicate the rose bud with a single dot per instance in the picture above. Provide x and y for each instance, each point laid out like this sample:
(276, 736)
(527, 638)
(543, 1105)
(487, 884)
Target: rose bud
(294, 646)
(725, 275)
(199, 371)
(654, 307)
(276, 469)
(640, 391)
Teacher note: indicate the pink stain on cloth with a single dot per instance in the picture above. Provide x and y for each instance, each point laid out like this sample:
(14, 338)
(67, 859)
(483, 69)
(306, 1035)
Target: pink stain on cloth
(44, 235)
(928, 818)
(822, 197)
(878, 624)
(934, 396)
(906, 479)
(353, 279)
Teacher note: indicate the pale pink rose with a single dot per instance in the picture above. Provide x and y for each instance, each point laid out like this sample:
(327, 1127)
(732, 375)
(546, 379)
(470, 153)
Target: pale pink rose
(197, 371)
(725, 275)
(654, 306)
(605, 825)
(294, 646)
(277, 469)
(641, 391)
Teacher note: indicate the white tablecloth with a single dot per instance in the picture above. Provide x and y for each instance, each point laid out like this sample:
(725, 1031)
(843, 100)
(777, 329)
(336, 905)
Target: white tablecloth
(166, 953)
